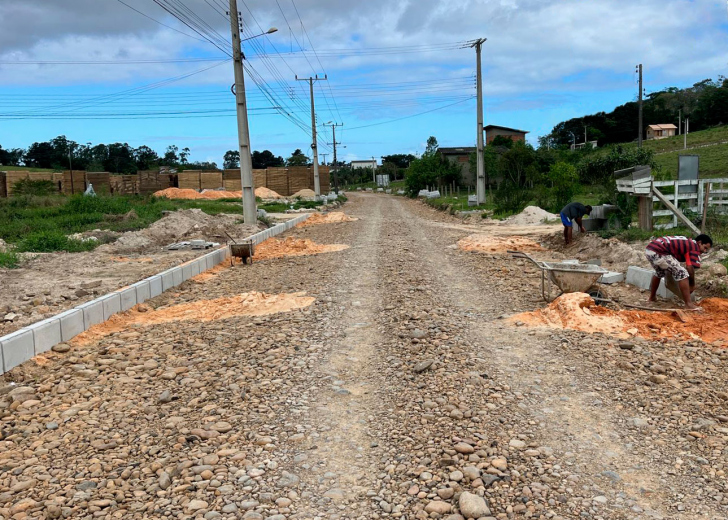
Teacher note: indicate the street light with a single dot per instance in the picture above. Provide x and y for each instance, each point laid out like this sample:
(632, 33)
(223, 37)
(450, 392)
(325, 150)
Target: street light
(574, 138)
(269, 31)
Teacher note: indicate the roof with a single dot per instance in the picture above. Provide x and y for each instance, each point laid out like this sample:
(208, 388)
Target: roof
(514, 130)
(365, 161)
(457, 151)
(663, 127)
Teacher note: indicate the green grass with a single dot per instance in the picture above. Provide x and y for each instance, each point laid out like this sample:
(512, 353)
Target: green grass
(25, 169)
(713, 161)
(282, 207)
(712, 135)
(9, 259)
(42, 223)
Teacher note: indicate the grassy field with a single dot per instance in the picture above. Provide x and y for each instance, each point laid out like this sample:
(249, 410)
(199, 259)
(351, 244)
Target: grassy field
(24, 169)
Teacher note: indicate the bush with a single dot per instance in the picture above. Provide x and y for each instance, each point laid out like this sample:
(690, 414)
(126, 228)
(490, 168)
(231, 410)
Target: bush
(50, 241)
(599, 168)
(9, 259)
(35, 188)
(564, 184)
(510, 197)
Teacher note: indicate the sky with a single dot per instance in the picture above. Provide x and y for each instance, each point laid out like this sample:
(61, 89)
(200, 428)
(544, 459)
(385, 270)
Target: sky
(104, 71)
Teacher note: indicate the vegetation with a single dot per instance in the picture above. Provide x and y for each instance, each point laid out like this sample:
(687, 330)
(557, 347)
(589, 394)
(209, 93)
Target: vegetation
(9, 259)
(431, 170)
(33, 187)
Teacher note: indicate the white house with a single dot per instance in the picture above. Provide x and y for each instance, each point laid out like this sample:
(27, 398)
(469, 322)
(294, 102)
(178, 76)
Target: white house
(367, 163)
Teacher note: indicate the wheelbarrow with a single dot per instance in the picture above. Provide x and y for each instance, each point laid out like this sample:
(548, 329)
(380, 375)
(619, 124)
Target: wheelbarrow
(243, 250)
(569, 278)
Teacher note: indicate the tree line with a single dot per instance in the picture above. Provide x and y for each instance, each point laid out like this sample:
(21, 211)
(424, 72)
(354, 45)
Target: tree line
(705, 103)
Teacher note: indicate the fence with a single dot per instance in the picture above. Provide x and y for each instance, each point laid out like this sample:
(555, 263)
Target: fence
(693, 201)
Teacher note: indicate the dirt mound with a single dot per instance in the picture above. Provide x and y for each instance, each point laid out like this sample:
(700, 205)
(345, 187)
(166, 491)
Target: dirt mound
(531, 215)
(277, 248)
(180, 225)
(326, 218)
(496, 244)
(266, 193)
(245, 304)
(614, 254)
(579, 312)
(304, 194)
(177, 193)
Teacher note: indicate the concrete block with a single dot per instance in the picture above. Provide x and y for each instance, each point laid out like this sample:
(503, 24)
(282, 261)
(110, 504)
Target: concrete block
(662, 290)
(155, 286)
(611, 277)
(198, 266)
(112, 304)
(46, 333)
(187, 272)
(17, 347)
(143, 292)
(209, 261)
(128, 298)
(93, 313)
(167, 280)
(639, 277)
(570, 262)
(71, 323)
(594, 261)
(177, 276)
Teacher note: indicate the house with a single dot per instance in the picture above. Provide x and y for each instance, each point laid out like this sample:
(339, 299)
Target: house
(367, 163)
(493, 131)
(579, 146)
(461, 157)
(661, 131)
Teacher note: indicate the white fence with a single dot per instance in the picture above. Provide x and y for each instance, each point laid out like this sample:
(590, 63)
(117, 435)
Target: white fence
(717, 196)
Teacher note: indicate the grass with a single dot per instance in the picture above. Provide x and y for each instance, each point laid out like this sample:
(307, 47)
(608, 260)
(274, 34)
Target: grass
(9, 259)
(41, 224)
(25, 169)
(282, 207)
(712, 135)
(713, 161)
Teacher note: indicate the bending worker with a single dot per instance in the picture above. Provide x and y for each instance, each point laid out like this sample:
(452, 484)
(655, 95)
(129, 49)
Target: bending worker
(665, 255)
(573, 211)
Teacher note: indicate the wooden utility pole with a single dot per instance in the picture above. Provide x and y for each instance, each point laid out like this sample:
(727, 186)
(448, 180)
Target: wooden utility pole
(336, 167)
(639, 135)
(480, 179)
(314, 145)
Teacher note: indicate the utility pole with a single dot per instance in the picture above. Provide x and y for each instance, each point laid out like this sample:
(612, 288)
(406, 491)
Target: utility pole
(685, 134)
(480, 182)
(679, 122)
(70, 167)
(314, 146)
(324, 154)
(250, 213)
(374, 171)
(585, 136)
(336, 165)
(639, 135)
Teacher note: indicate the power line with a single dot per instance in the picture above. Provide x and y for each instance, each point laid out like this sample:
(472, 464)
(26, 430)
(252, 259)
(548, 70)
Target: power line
(157, 21)
(413, 115)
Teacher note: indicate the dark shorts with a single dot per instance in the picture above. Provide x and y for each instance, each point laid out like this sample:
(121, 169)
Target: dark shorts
(663, 264)
(565, 220)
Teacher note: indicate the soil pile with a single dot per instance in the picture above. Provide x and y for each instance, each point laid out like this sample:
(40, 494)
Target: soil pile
(266, 193)
(614, 254)
(177, 193)
(277, 248)
(245, 304)
(495, 244)
(579, 312)
(178, 226)
(531, 215)
(326, 218)
(304, 194)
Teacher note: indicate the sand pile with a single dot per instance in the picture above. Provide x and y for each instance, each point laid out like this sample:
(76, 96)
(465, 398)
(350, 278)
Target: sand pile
(245, 304)
(279, 248)
(495, 244)
(326, 218)
(266, 193)
(614, 254)
(177, 193)
(178, 226)
(531, 215)
(579, 312)
(304, 194)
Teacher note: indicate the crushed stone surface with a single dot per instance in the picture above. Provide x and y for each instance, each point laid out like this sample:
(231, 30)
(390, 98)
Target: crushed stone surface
(398, 393)
(498, 244)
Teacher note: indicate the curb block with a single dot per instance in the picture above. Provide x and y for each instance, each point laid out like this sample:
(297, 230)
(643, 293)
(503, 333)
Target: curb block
(21, 345)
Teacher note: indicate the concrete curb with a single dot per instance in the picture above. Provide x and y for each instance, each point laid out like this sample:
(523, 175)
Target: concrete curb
(21, 345)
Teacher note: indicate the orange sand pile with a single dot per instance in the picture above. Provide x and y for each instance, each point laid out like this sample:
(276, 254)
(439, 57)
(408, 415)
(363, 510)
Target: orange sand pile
(177, 193)
(277, 248)
(326, 218)
(579, 312)
(245, 304)
(127, 259)
(266, 193)
(304, 193)
(494, 244)
(212, 273)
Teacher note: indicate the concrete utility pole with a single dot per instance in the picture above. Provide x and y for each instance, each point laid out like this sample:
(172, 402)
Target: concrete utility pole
(314, 145)
(336, 165)
(679, 122)
(250, 213)
(639, 135)
(480, 180)
(585, 139)
(685, 134)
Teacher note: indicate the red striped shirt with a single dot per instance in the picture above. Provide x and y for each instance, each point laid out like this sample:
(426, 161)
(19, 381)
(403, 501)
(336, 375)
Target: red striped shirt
(683, 249)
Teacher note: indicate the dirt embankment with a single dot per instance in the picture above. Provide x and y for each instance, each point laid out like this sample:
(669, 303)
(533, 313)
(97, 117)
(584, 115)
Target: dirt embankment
(333, 217)
(498, 244)
(578, 311)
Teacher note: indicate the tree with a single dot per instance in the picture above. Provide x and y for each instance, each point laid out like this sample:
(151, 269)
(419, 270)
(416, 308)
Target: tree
(231, 160)
(120, 159)
(145, 158)
(183, 155)
(564, 184)
(503, 140)
(170, 156)
(297, 159)
(400, 160)
(432, 146)
(266, 159)
(40, 155)
(11, 157)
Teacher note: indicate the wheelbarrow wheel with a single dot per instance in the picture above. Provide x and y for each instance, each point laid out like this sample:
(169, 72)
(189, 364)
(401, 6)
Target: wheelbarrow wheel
(598, 293)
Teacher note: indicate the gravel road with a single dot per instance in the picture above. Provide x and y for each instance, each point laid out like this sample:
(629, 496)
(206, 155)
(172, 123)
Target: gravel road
(400, 393)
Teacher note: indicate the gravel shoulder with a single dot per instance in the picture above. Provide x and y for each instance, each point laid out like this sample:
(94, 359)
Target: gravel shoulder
(399, 393)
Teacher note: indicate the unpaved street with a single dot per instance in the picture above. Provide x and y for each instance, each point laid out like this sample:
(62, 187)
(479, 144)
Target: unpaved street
(401, 392)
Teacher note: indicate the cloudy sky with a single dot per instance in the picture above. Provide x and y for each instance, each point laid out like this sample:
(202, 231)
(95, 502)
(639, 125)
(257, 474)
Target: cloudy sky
(398, 72)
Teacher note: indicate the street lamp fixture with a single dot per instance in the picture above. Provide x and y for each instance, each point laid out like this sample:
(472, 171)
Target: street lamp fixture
(269, 31)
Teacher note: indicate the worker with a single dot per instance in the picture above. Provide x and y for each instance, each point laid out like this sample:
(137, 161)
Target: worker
(573, 211)
(665, 255)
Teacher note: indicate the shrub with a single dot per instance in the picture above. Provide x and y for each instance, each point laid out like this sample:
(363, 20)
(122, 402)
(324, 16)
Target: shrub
(510, 197)
(564, 184)
(33, 187)
(9, 259)
(50, 241)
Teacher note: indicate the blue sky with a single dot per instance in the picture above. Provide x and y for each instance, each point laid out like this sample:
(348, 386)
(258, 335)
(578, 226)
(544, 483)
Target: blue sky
(386, 63)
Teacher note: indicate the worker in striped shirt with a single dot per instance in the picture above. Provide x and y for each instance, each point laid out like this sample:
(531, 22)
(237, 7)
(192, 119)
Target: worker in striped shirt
(665, 255)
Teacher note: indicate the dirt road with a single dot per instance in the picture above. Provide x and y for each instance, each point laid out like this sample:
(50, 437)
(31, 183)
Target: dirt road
(399, 393)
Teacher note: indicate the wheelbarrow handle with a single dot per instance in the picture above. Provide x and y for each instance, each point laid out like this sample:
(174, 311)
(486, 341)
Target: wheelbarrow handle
(521, 254)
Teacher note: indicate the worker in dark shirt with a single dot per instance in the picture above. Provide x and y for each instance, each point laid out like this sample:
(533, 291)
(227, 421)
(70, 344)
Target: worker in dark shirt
(573, 211)
(665, 255)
